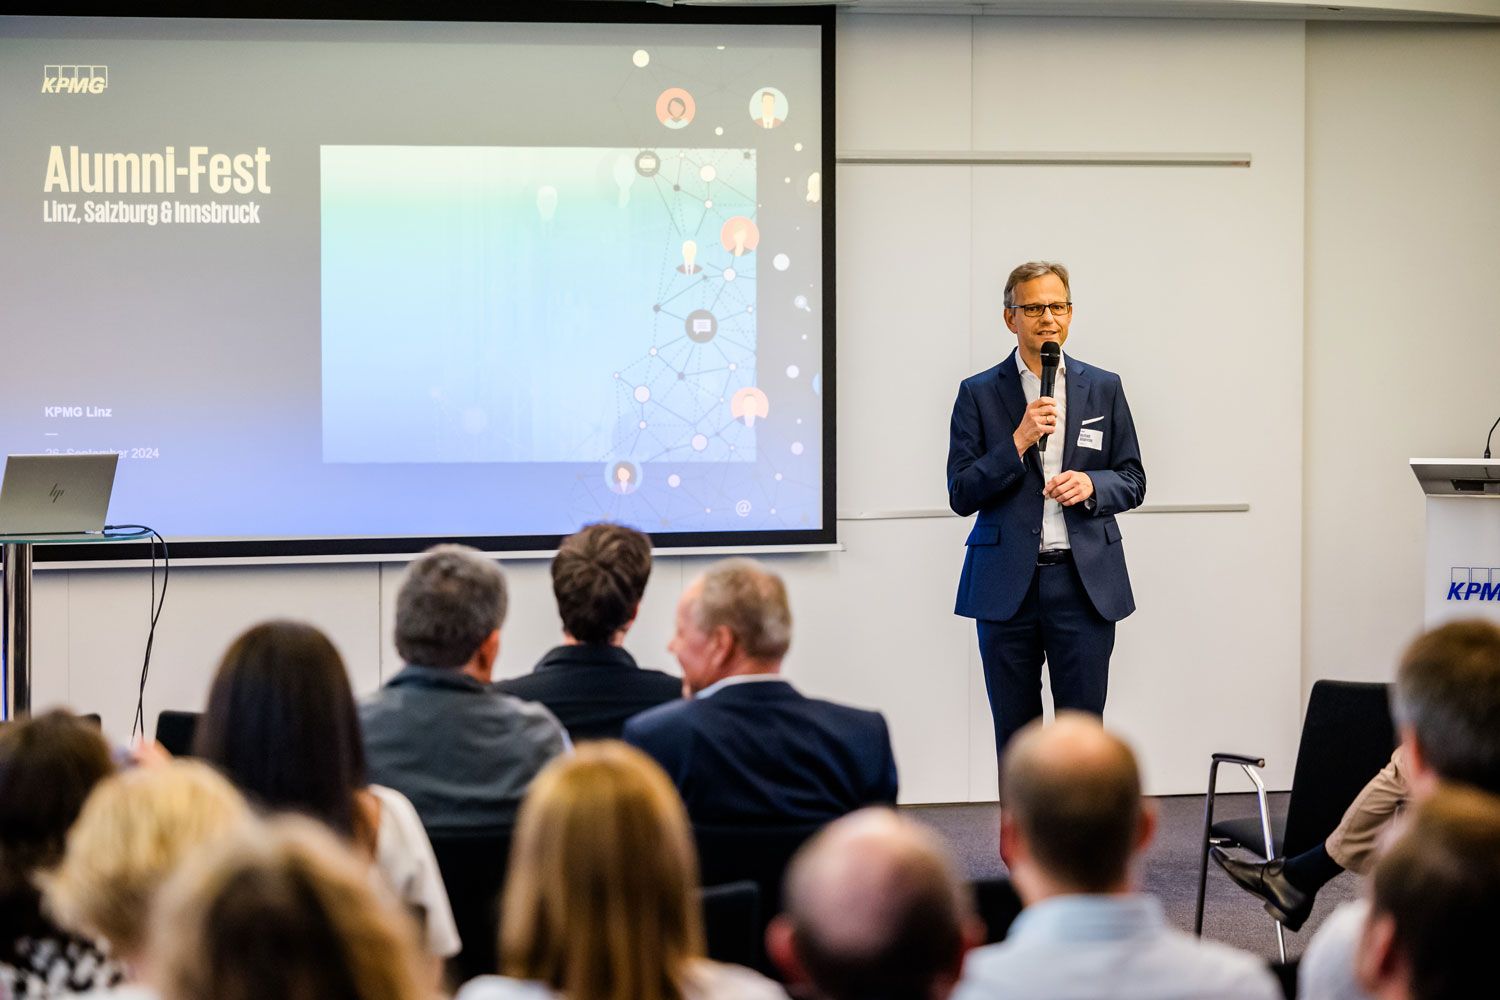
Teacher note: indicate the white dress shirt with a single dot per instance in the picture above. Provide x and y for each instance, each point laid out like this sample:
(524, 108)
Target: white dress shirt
(1054, 527)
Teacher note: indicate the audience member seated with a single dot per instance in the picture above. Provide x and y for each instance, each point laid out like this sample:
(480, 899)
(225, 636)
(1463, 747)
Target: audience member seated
(462, 753)
(1289, 886)
(1072, 822)
(1446, 703)
(590, 682)
(281, 724)
(284, 912)
(602, 898)
(1435, 903)
(48, 766)
(873, 908)
(748, 748)
(133, 833)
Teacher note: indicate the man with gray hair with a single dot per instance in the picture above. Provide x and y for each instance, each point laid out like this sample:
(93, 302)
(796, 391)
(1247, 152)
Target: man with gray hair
(1446, 702)
(462, 753)
(746, 747)
(874, 910)
(1072, 824)
(1043, 448)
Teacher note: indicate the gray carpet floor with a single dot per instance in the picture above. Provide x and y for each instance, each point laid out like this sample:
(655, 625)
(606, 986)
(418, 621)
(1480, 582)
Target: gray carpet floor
(1169, 871)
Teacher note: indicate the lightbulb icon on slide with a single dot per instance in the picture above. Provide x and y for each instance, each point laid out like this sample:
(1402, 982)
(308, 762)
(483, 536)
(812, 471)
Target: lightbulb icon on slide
(689, 258)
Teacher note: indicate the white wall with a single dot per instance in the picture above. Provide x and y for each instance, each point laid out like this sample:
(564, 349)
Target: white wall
(1214, 658)
(1403, 344)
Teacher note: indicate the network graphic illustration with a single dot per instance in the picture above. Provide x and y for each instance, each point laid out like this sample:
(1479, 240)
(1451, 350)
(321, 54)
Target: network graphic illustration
(687, 445)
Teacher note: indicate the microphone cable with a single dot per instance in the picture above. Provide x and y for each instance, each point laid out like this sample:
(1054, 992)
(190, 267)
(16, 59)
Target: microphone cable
(1490, 435)
(138, 721)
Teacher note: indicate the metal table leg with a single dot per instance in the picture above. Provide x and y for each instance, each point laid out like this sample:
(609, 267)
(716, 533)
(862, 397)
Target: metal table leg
(15, 630)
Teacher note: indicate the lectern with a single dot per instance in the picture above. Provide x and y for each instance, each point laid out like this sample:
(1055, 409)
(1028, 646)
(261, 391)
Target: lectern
(1463, 537)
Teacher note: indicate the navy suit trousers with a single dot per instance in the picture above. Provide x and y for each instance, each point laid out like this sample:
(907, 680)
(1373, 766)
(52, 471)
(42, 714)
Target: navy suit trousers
(1056, 622)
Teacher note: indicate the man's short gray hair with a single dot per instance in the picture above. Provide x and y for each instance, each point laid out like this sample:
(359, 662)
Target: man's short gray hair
(452, 599)
(1030, 271)
(750, 601)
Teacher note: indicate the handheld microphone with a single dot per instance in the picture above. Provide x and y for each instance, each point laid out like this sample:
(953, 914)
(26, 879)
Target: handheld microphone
(1051, 355)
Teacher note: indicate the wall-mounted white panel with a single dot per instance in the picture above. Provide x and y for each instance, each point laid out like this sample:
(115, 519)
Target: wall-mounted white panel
(1403, 349)
(903, 83)
(1186, 284)
(1125, 85)
(903, 341)
(205, 610)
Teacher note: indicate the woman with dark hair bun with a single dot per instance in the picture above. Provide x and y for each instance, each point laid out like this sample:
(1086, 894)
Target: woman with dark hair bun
(281, 723)
(48, 766)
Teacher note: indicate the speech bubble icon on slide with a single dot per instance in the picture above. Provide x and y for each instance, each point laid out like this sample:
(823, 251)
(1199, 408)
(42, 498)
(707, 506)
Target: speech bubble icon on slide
(748, 404)
(739, 235)
(701, 325)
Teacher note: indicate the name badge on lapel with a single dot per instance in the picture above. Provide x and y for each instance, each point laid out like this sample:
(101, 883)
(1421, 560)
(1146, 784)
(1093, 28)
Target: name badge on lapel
(1091, 437)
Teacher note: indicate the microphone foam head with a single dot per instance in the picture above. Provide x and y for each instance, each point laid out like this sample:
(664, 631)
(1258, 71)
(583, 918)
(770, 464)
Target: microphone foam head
(1051, 354)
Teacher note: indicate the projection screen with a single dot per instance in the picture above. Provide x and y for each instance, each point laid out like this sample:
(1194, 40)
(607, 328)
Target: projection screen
(339, 287)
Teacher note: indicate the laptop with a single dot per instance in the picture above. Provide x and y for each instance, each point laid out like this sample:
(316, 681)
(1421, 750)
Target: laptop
(56, 494)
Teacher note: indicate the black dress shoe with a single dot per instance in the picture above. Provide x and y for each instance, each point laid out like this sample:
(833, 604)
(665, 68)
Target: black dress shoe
(1284, 901)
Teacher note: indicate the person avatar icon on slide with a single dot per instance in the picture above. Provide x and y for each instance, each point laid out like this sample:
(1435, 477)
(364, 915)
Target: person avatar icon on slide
(675, 108)
(624, 477)
(768, 107)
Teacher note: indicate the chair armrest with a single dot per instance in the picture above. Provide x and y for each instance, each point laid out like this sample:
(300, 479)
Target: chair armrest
(1239, 758)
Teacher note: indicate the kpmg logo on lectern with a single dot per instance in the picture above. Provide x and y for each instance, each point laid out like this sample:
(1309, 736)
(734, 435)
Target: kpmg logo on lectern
(1474, 583)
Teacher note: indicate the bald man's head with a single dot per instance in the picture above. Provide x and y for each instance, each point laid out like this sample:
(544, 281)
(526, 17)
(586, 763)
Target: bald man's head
(1073, 791)
(874, 910)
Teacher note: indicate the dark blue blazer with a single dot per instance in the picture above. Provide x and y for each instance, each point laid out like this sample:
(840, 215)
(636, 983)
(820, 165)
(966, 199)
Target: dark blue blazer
(762, 753)
(985, 475)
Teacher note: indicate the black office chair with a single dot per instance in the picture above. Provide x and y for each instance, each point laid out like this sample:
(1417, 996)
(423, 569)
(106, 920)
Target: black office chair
(474, 867)
(731, 922)
(998, 904)
(175, 731)
(758, 854)
(1347, 737)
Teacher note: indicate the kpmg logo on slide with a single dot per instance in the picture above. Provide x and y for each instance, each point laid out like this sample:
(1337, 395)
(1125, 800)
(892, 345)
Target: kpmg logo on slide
(74, 79)
(1474, 583)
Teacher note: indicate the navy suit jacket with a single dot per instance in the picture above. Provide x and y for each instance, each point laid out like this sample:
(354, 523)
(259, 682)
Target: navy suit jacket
(985, 475)
(762, 753)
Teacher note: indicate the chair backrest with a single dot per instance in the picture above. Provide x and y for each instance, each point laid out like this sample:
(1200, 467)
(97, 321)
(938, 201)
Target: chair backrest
(758, 854)
(474, 867)
(731, 922)
(175, 731)
(998, 905)
(1347, 737)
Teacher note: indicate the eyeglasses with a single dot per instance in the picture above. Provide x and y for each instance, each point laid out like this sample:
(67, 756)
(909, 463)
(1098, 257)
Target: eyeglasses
(1037, 308)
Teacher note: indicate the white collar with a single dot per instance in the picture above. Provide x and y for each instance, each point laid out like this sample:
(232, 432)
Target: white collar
(739, 679)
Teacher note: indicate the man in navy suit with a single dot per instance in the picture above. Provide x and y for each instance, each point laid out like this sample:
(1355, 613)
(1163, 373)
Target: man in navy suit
(1044, 576)
(747, 748)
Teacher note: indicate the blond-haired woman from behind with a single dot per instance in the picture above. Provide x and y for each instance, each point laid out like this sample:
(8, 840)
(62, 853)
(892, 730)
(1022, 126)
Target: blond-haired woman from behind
(284, 911)
(134, 831)
(601, 902)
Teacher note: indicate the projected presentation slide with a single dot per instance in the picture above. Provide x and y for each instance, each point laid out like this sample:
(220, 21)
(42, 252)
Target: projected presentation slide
(332, 281)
